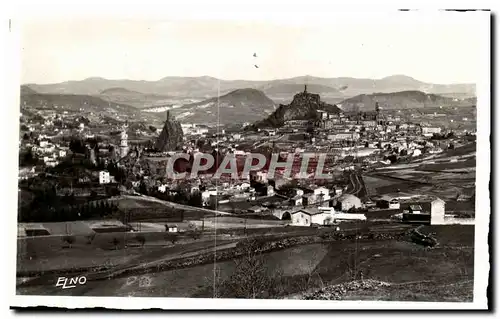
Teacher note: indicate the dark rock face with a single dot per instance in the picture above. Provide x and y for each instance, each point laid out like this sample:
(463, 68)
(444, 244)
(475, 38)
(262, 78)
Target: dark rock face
(303, 107)
(171, 136)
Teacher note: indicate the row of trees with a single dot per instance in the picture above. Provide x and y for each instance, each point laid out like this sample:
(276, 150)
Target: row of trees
(45, 212)
(182, 196)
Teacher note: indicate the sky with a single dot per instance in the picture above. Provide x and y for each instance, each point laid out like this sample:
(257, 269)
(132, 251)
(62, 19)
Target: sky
(435, 50)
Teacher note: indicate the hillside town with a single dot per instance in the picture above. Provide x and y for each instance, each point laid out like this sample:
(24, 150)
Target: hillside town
(84, 154)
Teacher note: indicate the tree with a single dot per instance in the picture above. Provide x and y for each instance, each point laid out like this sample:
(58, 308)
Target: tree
(141, 239)
(173, 238)
(195, 234)
(90, 238)
(68, 239)
(76, 145)
(143, 188)
(195, 200)
(115, 241)
(250, 279)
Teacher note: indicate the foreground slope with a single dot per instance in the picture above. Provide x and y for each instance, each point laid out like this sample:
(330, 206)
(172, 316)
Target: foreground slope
(206, 86)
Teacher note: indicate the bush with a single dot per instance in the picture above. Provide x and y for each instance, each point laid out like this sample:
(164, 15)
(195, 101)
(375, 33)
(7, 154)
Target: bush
(90, 238)
(173, 238)
(69, 240)
(141, 239)
(195, 234)
(251, 278)
(115, 241)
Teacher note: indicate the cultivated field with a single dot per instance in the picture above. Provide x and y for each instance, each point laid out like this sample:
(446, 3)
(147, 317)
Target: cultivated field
(414, 271)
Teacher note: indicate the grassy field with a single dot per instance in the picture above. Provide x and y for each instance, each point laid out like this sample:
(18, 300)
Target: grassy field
(51, 253)
(460, 291)
(416, 273)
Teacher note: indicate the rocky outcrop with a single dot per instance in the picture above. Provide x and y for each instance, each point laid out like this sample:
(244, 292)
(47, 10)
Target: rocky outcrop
(303, 107)
(171, 136)
(337, 292)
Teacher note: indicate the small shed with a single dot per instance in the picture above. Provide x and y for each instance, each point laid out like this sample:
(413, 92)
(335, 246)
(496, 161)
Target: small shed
(171, 228)
(415, 209)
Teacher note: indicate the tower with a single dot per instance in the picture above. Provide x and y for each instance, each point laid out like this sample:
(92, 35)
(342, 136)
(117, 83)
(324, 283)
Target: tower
(124, 142)
(305, 88)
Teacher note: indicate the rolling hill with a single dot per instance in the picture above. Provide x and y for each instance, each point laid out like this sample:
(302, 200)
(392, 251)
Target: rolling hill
(74, 102)
(26, 90)
(238, 106)
(119, 91)
(290, 89)
(134, 98)
(402, 100)
(206, 86)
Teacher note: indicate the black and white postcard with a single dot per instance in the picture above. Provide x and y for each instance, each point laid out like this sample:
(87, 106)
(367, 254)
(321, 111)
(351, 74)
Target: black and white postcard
(335, 160)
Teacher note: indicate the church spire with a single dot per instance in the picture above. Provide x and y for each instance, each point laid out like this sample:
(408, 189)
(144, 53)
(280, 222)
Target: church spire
(305, 88)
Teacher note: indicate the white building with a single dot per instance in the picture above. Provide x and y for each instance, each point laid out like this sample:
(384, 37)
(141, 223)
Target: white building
(322, 193)
(302, 217)
(205, 196)
(343, 136)
(270, 190)
(172, 228)
(162, 188)
(261, 177)
(104, 177)
(416, 152)
(297, 200)
(321, 216)
(244, 186)
(429, 131)
(348, 201)
(437, 211)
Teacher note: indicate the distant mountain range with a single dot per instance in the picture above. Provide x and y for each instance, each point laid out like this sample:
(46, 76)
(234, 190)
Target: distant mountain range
(205, 86)
(134, 98)
(245, 104)
(73, 102)
(402, 100)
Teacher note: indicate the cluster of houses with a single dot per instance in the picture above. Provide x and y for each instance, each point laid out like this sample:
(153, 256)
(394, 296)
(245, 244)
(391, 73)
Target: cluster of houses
(425, 211)
(50, 152)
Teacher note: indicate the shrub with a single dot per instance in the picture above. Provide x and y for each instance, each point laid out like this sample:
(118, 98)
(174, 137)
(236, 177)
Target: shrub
(174, 238)
(90, 238)
(69, 240)
(141, 239)
(115, 241)
(170, 237)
